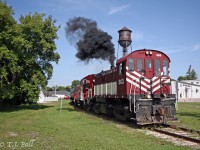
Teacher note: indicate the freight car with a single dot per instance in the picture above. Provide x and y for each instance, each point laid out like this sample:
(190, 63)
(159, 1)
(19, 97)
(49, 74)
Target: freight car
(137, 88)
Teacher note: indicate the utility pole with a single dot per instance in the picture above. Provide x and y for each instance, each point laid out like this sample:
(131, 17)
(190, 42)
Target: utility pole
(55, 90)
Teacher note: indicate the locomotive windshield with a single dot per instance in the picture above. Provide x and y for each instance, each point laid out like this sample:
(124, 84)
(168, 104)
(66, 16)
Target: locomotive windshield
(157, 68)
(131, 64)
(148, 64)
(165, 68)
(139, 64)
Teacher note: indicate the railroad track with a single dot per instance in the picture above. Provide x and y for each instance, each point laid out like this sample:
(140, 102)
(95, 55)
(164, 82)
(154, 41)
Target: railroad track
(174, 133)
(181, 128)
(179, 132)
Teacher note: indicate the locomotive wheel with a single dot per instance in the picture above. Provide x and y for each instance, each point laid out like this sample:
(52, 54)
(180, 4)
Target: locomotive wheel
(75, 103)
(81, 104)
(96, 108)
(90, 106)
(119, 114)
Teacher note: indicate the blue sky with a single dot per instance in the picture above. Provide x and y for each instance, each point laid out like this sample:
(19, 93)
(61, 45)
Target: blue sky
(171, 26)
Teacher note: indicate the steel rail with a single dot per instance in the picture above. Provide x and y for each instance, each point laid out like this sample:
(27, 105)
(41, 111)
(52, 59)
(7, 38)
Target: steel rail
(181, 128)
(177, 135)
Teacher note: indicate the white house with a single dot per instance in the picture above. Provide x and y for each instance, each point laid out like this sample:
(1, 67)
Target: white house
(41, 97)
(186, 89)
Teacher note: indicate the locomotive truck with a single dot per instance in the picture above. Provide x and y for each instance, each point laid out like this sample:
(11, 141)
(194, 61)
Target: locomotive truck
(137, 88)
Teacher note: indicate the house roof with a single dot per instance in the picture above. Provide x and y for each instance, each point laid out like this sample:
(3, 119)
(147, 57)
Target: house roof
(50, 93)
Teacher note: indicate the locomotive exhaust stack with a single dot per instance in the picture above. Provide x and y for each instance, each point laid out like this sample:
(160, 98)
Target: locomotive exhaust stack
(124, 39)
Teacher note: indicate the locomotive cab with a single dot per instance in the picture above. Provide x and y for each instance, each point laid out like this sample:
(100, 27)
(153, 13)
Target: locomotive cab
(147, 70)
(147, 86)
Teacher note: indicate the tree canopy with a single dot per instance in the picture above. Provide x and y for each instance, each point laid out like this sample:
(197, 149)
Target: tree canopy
(75, 83)
(190, 75)
(27, 49)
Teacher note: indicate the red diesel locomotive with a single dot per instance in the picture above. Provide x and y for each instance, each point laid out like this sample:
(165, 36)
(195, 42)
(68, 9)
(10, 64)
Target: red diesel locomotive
(137, 88)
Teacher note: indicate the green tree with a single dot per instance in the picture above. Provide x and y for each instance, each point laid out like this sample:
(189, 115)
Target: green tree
(181, 78)
(75, 83)
(68, 88)
(193, 75)
(61, 88)
(8, 58)
(27, 50)
(49, 88)
(190, 75)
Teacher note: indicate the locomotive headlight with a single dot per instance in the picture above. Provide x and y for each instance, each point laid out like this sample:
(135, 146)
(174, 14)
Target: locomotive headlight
(150, 52)
(148, 95)
(147, 52)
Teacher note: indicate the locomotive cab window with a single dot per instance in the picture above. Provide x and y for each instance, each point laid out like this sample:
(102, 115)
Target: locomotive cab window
(131, 64)
(85, 83)
(122, 68)
(139, 64)
(165, 68)
(157, 67)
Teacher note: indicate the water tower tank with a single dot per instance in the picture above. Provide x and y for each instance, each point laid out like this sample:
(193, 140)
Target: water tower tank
(124, 38)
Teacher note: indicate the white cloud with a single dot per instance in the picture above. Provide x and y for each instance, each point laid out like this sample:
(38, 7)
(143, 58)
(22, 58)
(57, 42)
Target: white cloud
(175, 49)
(196, 47)
(118, 9)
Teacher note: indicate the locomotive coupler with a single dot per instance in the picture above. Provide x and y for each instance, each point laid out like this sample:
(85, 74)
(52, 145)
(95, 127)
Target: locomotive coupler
(158, 110)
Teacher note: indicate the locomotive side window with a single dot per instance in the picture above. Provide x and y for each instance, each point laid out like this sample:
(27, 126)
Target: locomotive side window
(131, 64)
(148, 64)
(157, 67)
(139, 64)
(165, 68)
(122, 68)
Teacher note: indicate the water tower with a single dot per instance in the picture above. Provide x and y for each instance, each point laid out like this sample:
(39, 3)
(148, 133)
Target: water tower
(124, 39)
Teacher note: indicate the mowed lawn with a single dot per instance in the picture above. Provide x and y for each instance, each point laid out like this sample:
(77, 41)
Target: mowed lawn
(44, 127)
(188, 115)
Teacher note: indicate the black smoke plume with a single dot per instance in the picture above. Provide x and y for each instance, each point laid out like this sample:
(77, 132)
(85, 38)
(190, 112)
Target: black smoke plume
(91, 42)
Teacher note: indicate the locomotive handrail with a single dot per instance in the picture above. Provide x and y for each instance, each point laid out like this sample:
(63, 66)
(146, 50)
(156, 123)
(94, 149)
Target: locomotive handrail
(141, 78)
(130, 101)
(134, 97)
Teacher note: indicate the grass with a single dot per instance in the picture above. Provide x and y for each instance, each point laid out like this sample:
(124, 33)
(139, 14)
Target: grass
(188, 115)
(70, 130)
